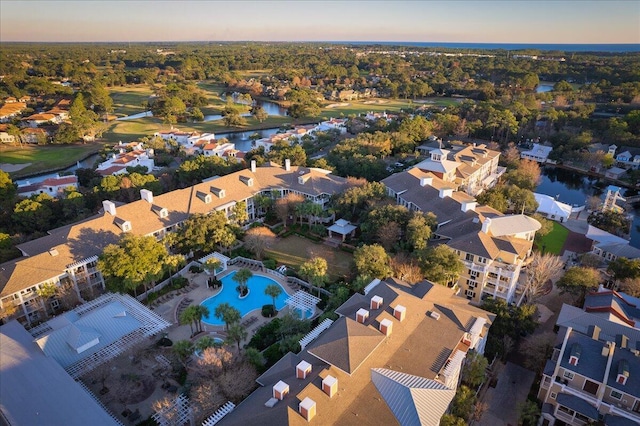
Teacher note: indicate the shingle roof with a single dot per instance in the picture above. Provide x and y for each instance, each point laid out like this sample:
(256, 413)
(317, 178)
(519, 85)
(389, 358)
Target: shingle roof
(579, 320)
(591, 363)
(346, 344)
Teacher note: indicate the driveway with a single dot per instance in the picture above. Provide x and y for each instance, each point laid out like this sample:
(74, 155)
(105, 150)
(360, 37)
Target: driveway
(512, 389)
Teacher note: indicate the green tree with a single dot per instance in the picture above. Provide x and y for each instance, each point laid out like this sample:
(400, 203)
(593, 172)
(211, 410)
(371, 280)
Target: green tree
(258, 239)
(31, 215)
(419, 230)
(474, 370)
(315, 270)
(239, 213)
(440, 265)
(463, 402)
(134, 261)
(188, 316)
(610, 221)
(199, 313)
(529, 413)
(204, 233)
(46, 292)
(237, 334)
(372, 260)
(451, 420)
(183, 350)
(228, 314)
(273, 290)
(242, 277)
(578, 281)
(102, 102)
(259, 113)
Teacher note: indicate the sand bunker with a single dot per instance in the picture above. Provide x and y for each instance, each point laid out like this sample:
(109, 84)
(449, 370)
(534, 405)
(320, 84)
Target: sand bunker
(10, 168)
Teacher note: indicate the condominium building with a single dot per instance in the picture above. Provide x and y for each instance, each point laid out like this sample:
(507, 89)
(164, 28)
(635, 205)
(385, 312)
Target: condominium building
(69, 254)
(492, 246)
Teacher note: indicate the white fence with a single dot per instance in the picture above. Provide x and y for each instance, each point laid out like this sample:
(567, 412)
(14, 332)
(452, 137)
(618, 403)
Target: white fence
(310, 337)
(219, 414)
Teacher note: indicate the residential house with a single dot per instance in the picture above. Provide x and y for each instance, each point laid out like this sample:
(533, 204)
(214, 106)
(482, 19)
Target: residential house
(539, 153)
(333, 124)
(473, 168)
(36, 120)
(118, 163)
(594, 372)
(394, 356)
(614, 173)
(176, 135)
(69, 254)
(6, 137)
(492, 246)
(11, 110)
(54, 186)
(551, 208)
(36, 136)
(608, 246)
(216, 148)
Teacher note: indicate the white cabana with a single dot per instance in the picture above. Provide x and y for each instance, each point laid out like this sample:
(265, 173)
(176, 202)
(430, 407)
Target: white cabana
(224, 260)
(342, 227)
(303, 301)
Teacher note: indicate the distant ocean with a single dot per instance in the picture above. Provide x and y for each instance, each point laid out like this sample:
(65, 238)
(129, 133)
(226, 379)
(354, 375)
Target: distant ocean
(507, 46)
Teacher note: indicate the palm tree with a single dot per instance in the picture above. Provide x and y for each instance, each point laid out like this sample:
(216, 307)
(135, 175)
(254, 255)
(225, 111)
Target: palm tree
(241, 277)
(188, 317)
(237, 333)
(199, 312)
(273, 290)
(204, 343)
(228, 314)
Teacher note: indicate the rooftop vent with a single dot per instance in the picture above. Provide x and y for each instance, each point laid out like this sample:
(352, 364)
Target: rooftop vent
(146, 195)
(385, 326)
(53, 252)
(399, 312)
(426, 181)
(303, 369)
(307, 408)
(376, 302)
(362, 315)
(280, 390)
(445, 192)
(434, 315)
(330, 386)
(109, 207)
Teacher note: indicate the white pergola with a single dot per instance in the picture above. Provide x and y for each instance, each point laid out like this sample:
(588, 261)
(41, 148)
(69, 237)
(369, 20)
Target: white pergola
(303, 301)
(177, 413)
(342, 227)
(215, 255)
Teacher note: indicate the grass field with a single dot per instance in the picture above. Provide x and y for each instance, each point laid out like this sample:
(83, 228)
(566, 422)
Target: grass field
(44, 158)
(294, 250)
(127, 100)
(554, 240)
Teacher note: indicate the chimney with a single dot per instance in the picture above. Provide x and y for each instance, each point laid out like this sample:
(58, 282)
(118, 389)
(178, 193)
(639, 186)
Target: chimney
(594, 332)
(307, 408)
(399, 312)
(302, 369)
(280, 390)
(287, 164)
(330, 385)
(385, 326)
(376, 302)
(485, 225)
(468, 205)
(113, 156)
(253, 166)
(446, 192)
(426, 181)
(362, 315)
(605, 350)
(109, 207)
(146, 195)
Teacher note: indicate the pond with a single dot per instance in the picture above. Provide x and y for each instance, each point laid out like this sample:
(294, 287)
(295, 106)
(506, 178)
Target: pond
(270, 108)
(574, 188)
(87, 163)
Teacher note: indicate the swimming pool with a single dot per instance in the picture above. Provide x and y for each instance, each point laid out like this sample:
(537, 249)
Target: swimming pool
(255, 300)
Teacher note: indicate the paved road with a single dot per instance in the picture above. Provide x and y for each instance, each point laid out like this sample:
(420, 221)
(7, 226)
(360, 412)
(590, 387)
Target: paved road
(512, 389)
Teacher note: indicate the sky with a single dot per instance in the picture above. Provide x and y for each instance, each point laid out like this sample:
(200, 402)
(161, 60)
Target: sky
(479, 21)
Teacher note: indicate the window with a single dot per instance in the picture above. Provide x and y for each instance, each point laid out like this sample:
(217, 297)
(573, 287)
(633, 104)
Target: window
(582, 417)
(470, 294)
(469, 257)
(472, 284)
(615, 394)
(474, 273)
(591, 387)
(546, 381)
(553, 395)
(568, 375)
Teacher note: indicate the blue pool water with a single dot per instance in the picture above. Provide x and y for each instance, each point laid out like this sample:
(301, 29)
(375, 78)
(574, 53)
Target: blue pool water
(255, 300)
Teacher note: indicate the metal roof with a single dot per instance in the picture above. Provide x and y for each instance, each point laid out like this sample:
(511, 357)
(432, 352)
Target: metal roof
(413, 400)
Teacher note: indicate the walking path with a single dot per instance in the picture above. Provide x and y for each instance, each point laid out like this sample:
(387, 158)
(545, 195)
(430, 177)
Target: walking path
(511, 390)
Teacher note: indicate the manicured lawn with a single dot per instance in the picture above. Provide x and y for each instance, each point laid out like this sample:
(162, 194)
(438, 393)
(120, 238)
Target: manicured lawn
(131, 130)
(44, 158)
(127, 100)
(294, 250)
(554, 240)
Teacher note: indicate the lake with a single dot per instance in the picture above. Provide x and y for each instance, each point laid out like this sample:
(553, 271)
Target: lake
(270, 108)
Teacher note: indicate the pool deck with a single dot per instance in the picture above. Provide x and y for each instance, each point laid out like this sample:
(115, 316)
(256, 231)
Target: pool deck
(168, 309)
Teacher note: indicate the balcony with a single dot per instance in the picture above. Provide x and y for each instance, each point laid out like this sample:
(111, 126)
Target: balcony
(580, 394)
(622, 412)
(565, 417)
